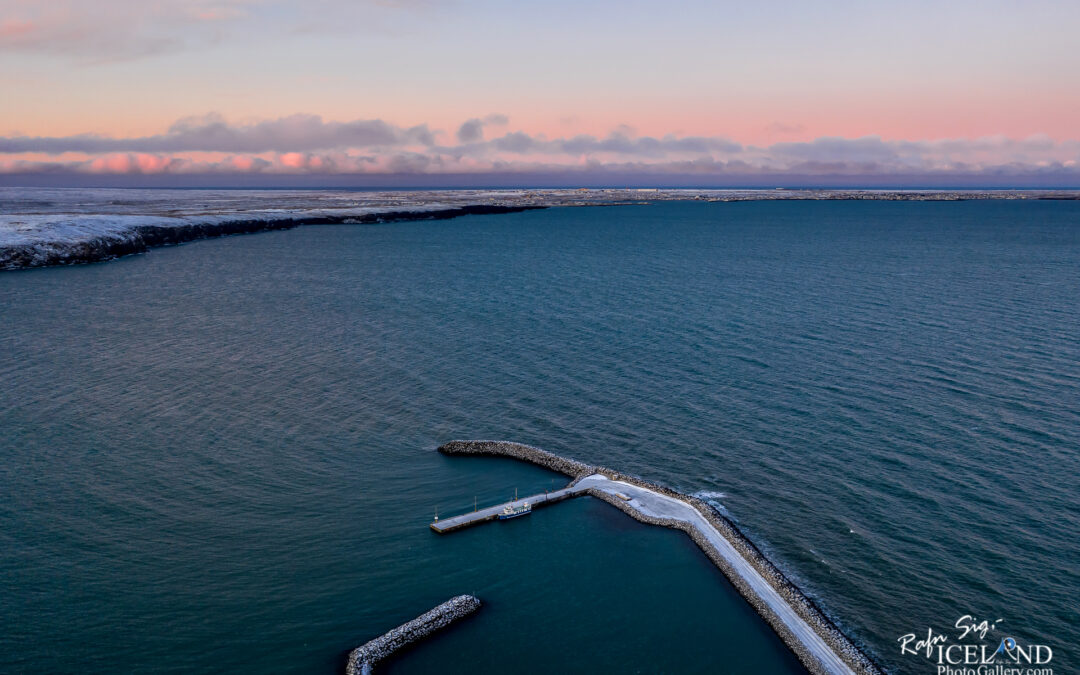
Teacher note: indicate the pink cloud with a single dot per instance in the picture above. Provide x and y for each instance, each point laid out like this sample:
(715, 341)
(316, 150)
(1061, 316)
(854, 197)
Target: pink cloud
(133, 162)
(111, 164)
(217, 14)
(16, 28)
(152, 163)
(293, 160)
(241, 163)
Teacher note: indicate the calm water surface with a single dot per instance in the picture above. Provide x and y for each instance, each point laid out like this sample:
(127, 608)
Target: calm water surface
(218, 457)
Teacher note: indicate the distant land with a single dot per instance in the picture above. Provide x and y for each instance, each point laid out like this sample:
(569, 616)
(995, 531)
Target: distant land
(41, 227)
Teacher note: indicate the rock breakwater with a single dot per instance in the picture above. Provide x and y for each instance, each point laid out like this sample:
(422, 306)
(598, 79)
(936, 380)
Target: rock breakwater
(526, 453)
(362, 660)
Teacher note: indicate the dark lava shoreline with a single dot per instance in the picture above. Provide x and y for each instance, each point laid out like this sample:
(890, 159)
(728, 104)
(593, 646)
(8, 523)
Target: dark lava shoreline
(144, 237)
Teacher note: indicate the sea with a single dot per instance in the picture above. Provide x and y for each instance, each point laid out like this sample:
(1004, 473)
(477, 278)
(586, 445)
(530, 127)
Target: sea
(220, 457)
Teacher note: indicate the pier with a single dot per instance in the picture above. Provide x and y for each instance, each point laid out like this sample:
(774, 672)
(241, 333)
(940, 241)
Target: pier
(444, 525)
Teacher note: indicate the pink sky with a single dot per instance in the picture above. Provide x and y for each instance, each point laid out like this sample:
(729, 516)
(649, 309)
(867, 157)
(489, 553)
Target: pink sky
(959, 86)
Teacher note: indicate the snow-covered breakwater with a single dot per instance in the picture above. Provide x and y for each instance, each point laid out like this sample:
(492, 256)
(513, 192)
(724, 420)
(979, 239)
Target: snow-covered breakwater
(363, 659)
(800, 623)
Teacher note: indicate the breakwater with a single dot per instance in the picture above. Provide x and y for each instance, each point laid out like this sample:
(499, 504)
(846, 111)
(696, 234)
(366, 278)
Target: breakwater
(362, 660)
(526, 453)
(744, 565)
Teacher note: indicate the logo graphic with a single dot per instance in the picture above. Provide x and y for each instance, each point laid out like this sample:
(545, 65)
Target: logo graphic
(964, 655)
(1007, 646)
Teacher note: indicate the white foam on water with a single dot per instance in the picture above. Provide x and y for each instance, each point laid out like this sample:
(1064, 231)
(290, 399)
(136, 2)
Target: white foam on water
(712, 498)
(710, 494)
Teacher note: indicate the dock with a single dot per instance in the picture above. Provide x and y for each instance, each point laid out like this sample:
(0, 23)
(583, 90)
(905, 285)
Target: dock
(444, 525)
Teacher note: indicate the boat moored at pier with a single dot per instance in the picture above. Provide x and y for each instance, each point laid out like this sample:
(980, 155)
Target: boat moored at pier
(512, 511)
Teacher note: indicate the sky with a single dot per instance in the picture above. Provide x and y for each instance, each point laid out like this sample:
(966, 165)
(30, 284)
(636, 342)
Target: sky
(357, 92)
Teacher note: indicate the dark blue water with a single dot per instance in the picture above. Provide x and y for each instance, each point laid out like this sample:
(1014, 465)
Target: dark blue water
(218, 457)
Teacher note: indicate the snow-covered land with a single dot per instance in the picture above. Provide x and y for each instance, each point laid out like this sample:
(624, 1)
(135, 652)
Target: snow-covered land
(43, 226)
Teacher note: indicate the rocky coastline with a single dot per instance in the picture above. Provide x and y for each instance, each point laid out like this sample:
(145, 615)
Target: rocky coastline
(144, 237)
(29, 238)
(363, 659)
(854, 657)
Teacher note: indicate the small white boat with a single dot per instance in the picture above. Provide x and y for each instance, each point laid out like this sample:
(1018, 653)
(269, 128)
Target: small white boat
(511, 511)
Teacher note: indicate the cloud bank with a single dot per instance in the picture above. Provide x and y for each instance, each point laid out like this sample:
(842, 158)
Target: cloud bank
(211, 133)
(309, 145)
(101, 31)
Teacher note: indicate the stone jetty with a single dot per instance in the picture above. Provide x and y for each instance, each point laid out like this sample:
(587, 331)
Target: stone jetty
(363, 659)
(526, 453)
(817, 641)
